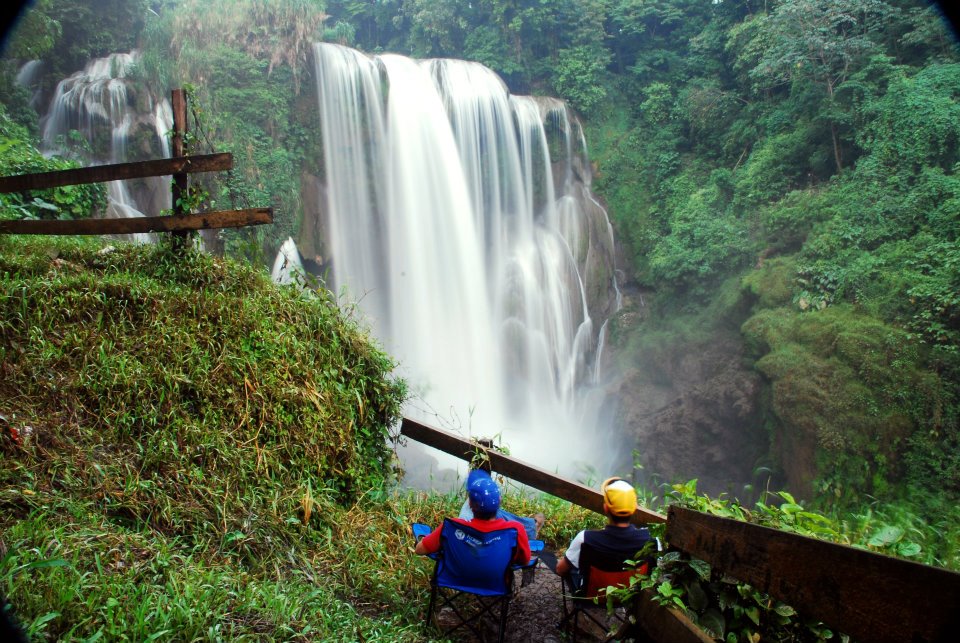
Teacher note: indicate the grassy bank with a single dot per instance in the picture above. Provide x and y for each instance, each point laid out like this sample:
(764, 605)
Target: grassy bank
(182, 442)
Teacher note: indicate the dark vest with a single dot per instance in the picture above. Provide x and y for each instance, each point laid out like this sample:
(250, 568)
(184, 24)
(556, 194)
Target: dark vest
(610, 546)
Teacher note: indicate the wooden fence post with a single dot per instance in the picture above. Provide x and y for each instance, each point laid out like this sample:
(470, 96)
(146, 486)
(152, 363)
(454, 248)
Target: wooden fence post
(178, 101)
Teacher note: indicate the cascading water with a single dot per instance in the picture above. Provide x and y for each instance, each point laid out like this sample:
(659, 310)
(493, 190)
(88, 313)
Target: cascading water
(460, 217)
(100, 100)
(29, 77)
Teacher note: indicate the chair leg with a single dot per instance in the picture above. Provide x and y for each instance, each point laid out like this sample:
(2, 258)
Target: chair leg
(571, 613)
(503, 618)
(433, 602)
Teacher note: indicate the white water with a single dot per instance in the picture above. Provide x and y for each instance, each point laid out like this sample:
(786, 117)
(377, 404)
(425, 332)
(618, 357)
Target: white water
(287, 267)
(98, 99)
(29, 77)
(468, 247)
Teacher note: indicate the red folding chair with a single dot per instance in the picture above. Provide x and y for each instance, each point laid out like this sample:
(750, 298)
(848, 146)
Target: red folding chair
(587, 599)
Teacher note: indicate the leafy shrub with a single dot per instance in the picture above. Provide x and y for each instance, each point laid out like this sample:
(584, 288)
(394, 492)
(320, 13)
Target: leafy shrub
(916, 123)
(578, 76)
(773, 283)
(776, 166)
(705, 242)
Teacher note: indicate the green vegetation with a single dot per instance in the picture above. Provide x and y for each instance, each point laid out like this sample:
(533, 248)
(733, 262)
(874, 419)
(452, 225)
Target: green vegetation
(183, 443)
(19, 156)
(733, 611)
(246, 63)
(814, 162)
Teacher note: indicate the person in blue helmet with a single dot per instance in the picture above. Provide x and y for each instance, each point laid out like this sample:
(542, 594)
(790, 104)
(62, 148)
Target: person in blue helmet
(483, 496)
(531, 524)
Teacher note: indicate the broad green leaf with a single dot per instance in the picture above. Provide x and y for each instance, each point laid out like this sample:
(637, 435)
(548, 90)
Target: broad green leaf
(908, 549)
(701, 567)
(713, 622)
(784, 610)
(886, 536)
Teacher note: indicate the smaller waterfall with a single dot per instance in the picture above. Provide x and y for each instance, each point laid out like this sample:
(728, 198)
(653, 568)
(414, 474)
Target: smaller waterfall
(288, 267)
(29, 77)
(117, 123)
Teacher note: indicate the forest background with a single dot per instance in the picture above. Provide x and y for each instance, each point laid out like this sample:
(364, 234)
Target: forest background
(781, 176)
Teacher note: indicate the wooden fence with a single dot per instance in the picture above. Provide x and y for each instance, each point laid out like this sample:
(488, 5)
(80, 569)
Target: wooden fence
(180, 222)
(866, 595)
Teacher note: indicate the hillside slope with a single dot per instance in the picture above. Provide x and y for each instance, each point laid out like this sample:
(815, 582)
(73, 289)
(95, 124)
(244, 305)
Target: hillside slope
(188, 449)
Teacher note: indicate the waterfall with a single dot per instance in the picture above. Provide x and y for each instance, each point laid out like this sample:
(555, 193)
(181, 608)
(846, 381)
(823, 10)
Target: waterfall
(102, 105)
(29, 77)
(461, 220)
(287, 267)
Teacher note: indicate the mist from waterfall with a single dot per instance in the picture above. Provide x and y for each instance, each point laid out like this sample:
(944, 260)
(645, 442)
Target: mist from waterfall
(460, 218)
(100, 99)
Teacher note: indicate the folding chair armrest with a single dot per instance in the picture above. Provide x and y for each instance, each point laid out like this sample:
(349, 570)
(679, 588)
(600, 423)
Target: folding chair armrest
(530, 564)
(535, 546)
(420, 530)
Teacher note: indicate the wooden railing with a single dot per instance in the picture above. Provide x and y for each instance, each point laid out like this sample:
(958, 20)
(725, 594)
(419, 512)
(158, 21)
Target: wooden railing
(180, 222)
(866, 595)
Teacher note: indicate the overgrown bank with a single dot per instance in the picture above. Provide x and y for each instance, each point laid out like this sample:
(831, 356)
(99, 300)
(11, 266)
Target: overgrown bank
(790, 225)
(182, 442)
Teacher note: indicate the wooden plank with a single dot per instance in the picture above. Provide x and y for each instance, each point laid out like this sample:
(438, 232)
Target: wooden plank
(118, 171)
(529, 475)
(666, 624)
(866, 595)
(134, 225)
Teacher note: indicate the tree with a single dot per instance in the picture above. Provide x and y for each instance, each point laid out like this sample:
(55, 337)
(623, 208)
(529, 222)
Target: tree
(578, 76)
(35, 34)
(820, 41)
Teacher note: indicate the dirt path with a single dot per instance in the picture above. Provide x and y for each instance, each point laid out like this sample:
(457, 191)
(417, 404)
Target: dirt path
(536, 610)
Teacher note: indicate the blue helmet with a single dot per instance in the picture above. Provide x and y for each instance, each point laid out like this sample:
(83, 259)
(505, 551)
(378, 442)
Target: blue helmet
(483, 492)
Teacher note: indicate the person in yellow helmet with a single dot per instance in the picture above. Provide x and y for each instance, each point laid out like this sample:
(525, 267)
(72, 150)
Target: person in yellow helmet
(619, 538)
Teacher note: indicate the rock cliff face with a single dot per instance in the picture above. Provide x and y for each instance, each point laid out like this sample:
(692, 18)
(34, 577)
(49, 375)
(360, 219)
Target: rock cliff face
(691, 410)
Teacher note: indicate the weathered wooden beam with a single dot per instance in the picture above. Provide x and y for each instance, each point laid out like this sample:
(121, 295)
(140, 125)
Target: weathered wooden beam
(118, 171)
(135, 225)
(866, 595)
(666, 624)
(517, 470)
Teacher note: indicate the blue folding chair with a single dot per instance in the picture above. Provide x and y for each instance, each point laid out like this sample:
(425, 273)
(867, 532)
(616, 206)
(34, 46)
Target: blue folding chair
(473, 575)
